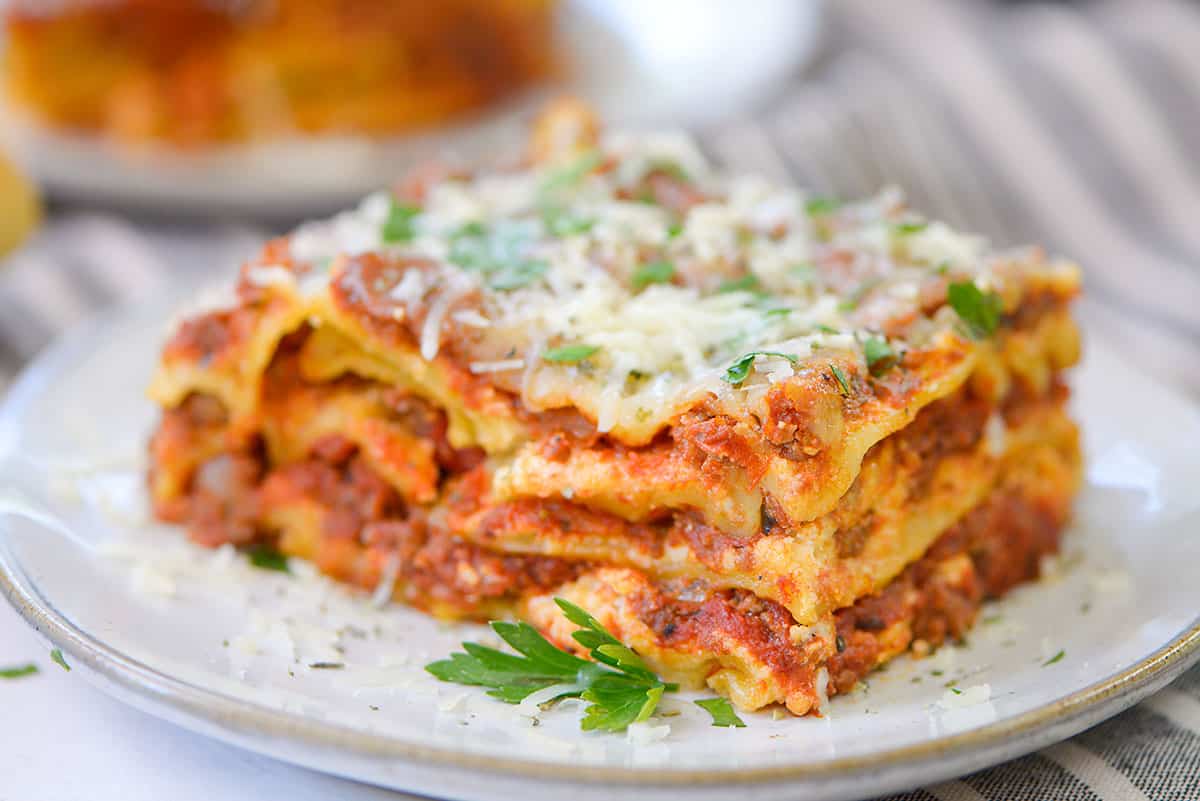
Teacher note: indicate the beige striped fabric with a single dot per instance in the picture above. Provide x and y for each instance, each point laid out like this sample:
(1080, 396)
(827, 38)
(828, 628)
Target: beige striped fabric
(1072, 125)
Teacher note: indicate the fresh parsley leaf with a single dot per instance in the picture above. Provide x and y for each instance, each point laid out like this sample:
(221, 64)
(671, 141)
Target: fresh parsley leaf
(979, 310)
(56, 656)
(905, 228)
(617, 685)
(816, 206)
(1056, 658)
(956, 691)
(738, 371)
(266, 557)
(398, 227)
(826, 329)
(851, 301)
(674, 230)
(747, 283)
(18, 671)
(569, 354)
(779, 311)
(879, 354)
(721, 711)
(840, 377)
(656, 272)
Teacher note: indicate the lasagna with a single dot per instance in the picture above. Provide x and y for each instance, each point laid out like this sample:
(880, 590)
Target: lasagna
(769, 440)
(194, 73)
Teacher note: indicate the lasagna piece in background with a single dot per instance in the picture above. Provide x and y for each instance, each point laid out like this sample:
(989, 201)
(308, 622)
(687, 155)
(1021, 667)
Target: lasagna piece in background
(769, 440)
(193, 73)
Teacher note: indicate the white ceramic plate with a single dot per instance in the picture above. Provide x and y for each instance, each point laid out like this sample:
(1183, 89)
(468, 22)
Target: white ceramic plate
(200, 638)
(670, 62)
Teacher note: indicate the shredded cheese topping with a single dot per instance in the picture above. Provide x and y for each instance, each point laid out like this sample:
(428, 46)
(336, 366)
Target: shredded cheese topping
(664, 271)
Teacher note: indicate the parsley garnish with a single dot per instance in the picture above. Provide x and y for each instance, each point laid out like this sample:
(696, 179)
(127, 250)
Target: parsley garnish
(738, 371)
(656, 272)
(880, 355)
(909, 227)
(843, 384)
(56, 656)
(1056, 658)
(399, 224)
(747, 283)
(674, 230)
(979, 310)
(265, 557)
(821, 205)
(850, 303)
(18, 671)
(826, 329)
(956, 691)
(721, 712)
(618, 686)
(569, 354)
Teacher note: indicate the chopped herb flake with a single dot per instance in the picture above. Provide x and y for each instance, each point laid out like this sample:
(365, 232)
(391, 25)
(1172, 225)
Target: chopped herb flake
(910, 227)
(721, 712)
(804, 272)
(1056, 658)
(840, 377)
(669, 168)
(817, 206)
(851, 301)
(267, 557)
(825, 329)
(956, 691)
(656, 272)
(561, 222)
(979, 310)
(879, 354)
(568, 176)
(398, 227)
(747, 283)
(569, 354)
(515, 276)
(18, 671)
(56, 656)
(326, 665)
(738, 371)
(674, 230)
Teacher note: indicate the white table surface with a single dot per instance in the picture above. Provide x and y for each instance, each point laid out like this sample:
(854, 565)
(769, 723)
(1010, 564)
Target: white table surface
(63, 740)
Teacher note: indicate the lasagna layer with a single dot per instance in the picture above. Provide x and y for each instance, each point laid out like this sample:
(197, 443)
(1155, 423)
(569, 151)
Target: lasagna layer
(752, 651)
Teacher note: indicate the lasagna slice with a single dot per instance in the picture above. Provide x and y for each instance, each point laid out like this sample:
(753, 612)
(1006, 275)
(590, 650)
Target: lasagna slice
(199, 73)
(768, 440)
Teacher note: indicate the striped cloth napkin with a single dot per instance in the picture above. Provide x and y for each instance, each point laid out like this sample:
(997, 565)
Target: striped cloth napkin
(1069, 125)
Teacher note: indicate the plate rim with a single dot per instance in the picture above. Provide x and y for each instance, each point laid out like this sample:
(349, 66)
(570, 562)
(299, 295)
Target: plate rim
(235, 720)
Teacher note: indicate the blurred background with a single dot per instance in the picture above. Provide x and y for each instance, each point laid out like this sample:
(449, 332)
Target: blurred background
(149, 143)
